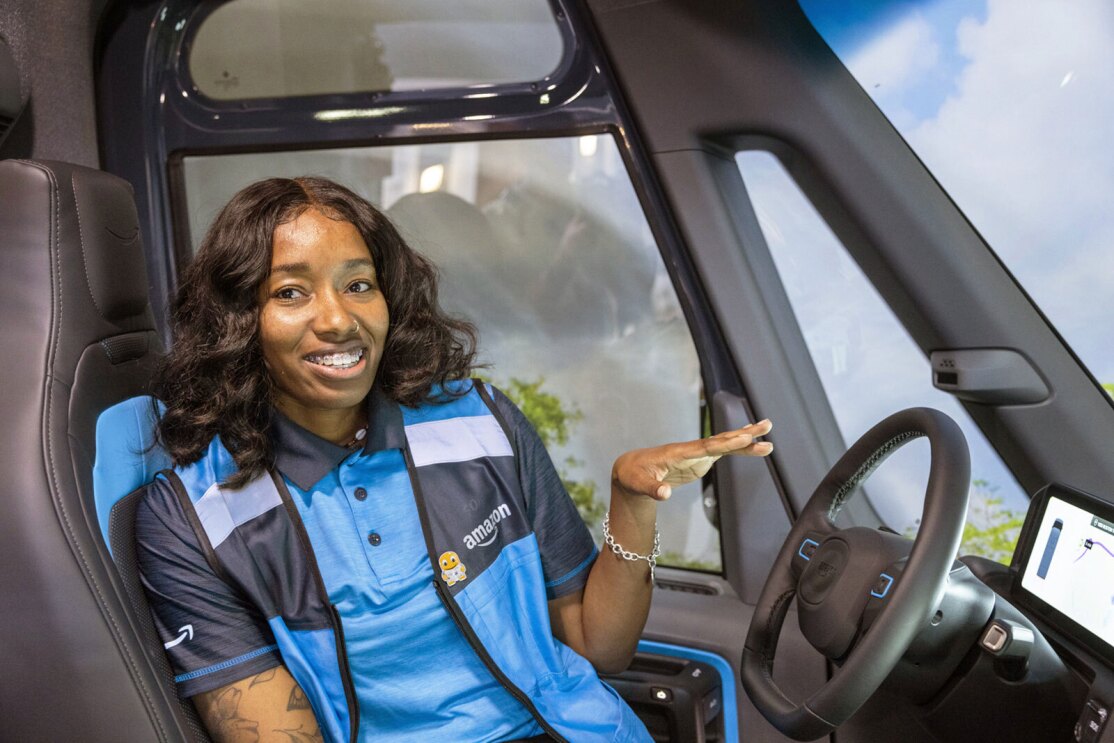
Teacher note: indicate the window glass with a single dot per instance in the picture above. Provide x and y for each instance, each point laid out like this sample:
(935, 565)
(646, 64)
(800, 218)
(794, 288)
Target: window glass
(279, 48)
(870, 367)
(1010, 105)
(543, 244)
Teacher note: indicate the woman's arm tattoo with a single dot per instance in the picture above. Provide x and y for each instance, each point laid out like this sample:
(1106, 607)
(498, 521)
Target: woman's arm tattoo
(224, 712)
(297, 699)
(298, 735)
(264, 677)
(252, 711)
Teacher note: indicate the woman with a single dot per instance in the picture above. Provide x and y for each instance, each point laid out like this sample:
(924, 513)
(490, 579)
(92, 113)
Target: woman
(357, 541)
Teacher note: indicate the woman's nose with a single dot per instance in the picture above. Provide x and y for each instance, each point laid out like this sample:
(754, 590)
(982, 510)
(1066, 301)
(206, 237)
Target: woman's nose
(333, 318)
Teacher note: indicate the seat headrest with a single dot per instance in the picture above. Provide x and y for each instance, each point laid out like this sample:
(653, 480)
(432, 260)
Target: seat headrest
(443, 225)
(107, 227)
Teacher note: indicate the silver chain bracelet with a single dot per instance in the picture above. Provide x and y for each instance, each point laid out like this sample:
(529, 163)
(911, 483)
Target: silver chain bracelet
(625, 554)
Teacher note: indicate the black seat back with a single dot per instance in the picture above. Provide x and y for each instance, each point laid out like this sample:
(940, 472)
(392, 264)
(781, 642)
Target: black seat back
(77, 337)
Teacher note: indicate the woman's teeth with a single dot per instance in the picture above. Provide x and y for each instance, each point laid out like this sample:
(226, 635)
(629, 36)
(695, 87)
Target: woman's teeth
(338, 360)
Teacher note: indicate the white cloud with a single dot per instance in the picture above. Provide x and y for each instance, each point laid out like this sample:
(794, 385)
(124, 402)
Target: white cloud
(1023, 146)
(896, 60)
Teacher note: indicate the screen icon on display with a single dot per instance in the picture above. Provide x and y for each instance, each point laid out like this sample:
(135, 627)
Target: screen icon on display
(1050, 548)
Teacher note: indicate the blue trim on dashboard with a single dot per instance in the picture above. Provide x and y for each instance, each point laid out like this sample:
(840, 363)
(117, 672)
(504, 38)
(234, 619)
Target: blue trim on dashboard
(730, 709)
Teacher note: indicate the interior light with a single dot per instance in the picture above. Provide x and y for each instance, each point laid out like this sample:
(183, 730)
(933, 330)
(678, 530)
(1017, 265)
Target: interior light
(588, 145)
(431, 178)
(343, 114)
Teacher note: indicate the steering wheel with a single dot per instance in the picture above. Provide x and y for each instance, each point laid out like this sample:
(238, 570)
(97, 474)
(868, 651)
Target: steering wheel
(862, 594)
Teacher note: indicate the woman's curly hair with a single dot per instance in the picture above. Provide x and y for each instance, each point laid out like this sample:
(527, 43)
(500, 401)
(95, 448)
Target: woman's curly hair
(214, 380)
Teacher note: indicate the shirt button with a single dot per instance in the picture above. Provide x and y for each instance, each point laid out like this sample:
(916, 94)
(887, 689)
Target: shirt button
(361, 494)
(374, 539)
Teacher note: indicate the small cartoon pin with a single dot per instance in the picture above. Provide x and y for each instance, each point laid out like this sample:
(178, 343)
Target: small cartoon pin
(452, 569)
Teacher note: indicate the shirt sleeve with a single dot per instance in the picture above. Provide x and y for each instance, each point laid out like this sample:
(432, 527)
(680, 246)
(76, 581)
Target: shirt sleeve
(566, 544)
(213, 636)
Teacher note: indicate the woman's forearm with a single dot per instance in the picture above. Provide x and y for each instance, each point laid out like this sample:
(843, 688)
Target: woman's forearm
(617, 595)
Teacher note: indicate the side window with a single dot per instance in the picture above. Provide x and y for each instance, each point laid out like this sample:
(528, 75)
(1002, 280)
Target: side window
(543, 244)
(869, 366)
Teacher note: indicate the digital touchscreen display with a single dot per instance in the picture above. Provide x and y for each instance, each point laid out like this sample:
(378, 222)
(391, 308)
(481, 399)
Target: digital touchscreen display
(1069, 562)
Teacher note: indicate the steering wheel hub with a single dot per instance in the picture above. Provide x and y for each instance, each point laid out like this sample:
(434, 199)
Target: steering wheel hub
(839, 581)
(823, 572)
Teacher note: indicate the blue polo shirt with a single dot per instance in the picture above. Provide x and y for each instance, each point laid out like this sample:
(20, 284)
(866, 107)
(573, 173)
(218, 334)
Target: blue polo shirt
(414, 673)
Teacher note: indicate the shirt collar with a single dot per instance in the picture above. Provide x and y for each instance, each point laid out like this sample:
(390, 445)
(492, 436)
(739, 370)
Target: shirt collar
(305, 457)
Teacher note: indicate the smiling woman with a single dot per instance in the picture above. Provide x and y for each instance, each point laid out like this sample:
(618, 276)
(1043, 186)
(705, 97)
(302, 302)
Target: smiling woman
(318, 409)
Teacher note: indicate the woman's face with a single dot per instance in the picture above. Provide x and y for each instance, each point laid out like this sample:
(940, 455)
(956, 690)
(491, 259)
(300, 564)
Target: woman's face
(322, 283)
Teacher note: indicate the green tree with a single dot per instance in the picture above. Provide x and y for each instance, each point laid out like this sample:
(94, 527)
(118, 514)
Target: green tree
(553, 420)
(1109, 387)
(991, 531)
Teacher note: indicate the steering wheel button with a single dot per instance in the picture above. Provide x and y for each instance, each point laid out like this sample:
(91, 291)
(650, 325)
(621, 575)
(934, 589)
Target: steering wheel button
(882, 586)
(661, 694)
(807, 548)
(994, 639)
(1091, 722)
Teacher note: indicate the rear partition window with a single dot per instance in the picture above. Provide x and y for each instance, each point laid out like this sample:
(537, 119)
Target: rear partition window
(544, 245)
(283, 48)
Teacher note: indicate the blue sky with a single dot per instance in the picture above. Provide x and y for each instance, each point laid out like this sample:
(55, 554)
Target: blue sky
(850, 26)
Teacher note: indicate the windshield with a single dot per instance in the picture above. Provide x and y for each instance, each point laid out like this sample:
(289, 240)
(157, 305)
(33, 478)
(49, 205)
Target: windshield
(1010, 105)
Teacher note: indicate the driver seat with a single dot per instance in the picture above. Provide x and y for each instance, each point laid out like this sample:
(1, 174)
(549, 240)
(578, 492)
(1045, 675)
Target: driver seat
(78, 337)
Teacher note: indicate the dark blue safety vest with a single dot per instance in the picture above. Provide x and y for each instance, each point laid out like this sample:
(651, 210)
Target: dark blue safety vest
(255, 541)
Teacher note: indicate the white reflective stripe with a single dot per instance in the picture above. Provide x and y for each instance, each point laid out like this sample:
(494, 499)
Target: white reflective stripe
(220, 512)
(457, 440)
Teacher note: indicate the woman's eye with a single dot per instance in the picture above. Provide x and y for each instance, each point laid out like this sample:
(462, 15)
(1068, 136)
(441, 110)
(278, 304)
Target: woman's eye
(288, 292)
(361, 286)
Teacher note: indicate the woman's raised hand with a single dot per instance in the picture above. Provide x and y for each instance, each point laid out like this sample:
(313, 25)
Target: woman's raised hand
(652, 472)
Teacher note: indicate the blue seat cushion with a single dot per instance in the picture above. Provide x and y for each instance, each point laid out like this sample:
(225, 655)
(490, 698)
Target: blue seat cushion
(126, 457)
